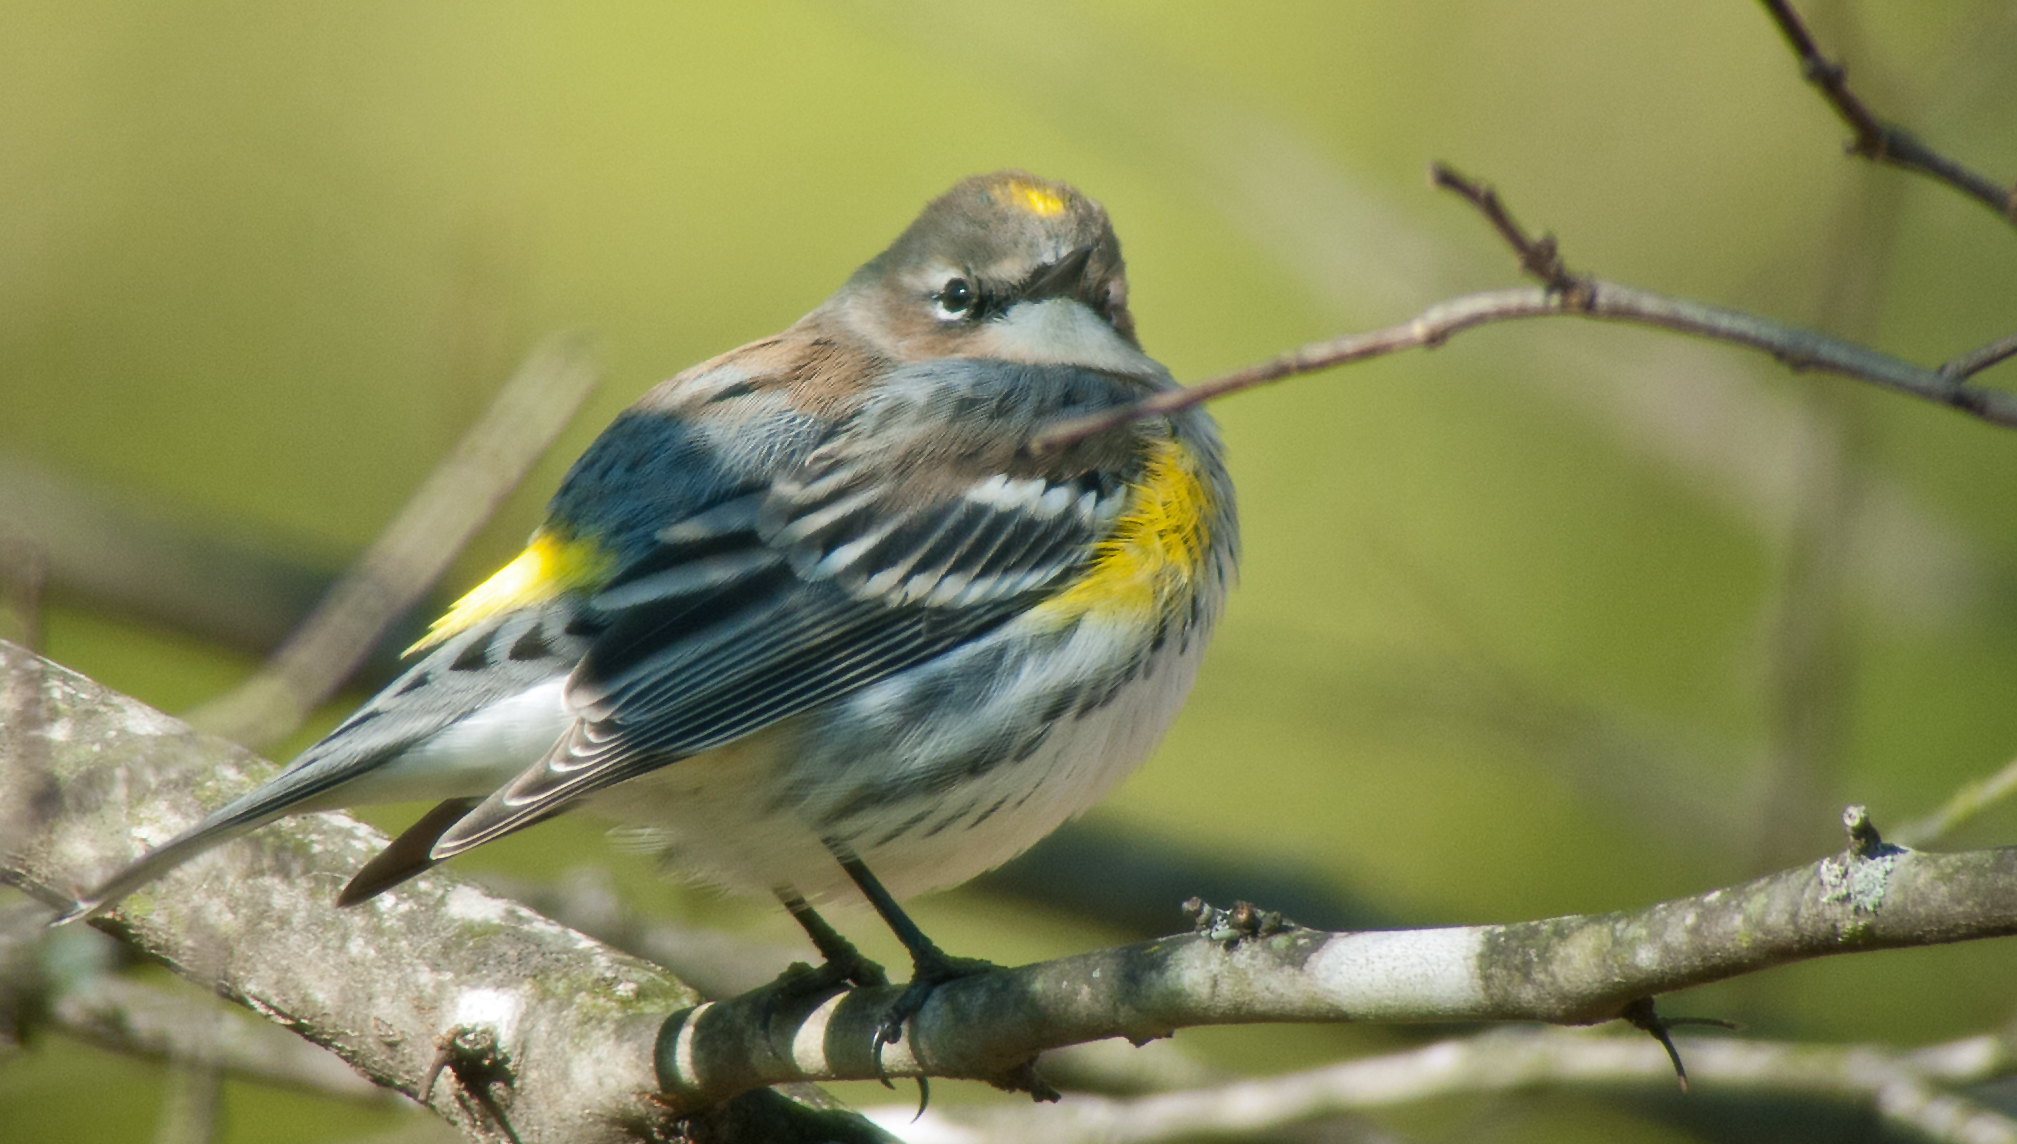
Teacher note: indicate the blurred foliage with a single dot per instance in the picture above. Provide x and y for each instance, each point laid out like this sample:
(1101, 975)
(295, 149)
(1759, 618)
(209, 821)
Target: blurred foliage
(1557, 618)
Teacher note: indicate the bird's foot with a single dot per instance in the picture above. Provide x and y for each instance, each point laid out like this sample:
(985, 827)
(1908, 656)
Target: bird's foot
(840, 969)
(844, 968)
(929, 970)
(842, 963)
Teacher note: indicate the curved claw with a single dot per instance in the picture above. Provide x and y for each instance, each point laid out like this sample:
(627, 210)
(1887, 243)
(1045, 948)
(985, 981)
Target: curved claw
(890, 1032)
(930, 967)
(927, 974)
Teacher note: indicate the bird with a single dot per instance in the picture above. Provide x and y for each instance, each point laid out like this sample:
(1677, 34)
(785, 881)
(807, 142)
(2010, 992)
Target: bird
(820, 617)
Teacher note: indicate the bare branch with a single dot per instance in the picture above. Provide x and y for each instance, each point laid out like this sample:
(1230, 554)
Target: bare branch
(1977, 360)
(1539, 257)
(413, 551)
(189, 1102)
(1873, 138)
(1567, 294)
(1905, 1088)
(1606, 300)
(113, 555)
(1970, 800)
(125, 1016)
(565, 1026)
(1569, 970)
(570, 1023)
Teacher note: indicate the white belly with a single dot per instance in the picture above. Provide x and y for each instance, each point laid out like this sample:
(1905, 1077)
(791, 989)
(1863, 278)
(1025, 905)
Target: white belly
(753, 816)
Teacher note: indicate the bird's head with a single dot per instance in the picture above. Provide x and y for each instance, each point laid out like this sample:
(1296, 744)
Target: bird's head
(1005, 266)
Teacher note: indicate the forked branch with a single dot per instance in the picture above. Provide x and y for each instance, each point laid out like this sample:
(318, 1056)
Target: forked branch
(382, 984)
(1565, 293)
(1876, 139)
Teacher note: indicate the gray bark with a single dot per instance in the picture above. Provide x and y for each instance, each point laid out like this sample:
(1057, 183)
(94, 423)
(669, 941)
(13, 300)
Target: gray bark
(88, 777)
(562, 1036)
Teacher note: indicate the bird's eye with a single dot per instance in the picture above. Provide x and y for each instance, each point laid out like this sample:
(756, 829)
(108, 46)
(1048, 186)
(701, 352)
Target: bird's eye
(956, 299)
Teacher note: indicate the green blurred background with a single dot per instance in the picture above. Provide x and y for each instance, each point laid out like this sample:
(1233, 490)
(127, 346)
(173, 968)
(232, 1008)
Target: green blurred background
(1557, 618)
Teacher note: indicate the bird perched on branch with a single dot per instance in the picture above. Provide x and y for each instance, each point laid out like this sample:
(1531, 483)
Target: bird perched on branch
(817, 607)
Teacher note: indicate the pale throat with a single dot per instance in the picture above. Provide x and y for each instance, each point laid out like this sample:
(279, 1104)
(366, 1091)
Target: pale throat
(1060, 331)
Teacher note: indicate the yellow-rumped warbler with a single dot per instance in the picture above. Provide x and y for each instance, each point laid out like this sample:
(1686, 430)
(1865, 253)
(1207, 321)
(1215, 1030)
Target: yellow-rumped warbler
(815, 607)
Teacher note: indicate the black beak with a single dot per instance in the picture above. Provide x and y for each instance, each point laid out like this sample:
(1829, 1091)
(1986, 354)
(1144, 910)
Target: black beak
(1064, 278)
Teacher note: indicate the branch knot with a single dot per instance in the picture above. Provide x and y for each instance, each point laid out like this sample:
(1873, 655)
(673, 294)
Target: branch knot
(1245, 921)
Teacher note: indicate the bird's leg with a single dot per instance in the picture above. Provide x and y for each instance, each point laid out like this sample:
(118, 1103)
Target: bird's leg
(841, 964)
(841, 960)
(931, 966)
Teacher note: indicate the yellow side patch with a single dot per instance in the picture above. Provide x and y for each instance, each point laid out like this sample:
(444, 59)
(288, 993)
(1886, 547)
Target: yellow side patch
(1146, 564)
(1039, 200)
(548, 567)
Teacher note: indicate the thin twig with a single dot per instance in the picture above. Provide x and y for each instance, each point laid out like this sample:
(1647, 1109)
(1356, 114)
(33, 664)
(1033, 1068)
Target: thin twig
(413, 551)
(128, 1017)
(1605, 300)
(1539, 257)
(1977, 360)
(1874, 139)
(1563, 294)
(1907, 1088)
(1970, 800)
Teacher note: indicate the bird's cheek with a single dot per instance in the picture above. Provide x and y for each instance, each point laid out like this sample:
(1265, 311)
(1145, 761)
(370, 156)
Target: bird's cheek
(1060, 331)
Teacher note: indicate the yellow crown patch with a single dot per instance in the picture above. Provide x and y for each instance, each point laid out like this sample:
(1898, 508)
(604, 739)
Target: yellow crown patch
(1039, 200)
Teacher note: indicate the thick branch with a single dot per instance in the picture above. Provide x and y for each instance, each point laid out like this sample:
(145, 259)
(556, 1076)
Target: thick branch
(1570, 970)
(1873, 138)
(572, 1023)
(87, 777)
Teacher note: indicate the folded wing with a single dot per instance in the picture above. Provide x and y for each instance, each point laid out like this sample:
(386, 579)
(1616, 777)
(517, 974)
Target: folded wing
(915, 527)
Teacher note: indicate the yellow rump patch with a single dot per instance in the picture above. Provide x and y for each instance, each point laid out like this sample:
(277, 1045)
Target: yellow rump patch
(548, 567)
(1039, 200)
(1146, 564)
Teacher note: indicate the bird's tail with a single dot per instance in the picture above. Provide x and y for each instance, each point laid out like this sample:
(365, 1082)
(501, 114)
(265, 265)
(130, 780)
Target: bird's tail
(285, 795)
(409, 854)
